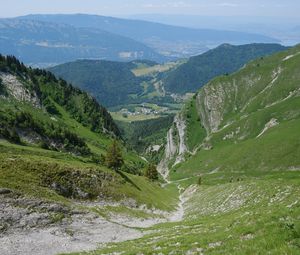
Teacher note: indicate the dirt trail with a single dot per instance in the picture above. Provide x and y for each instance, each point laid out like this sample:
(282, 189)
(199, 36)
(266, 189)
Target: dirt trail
(179, 213)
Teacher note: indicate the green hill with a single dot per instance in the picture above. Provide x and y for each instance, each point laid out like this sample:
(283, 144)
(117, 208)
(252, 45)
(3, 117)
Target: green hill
(245, 120)
(224, 59)
(117, 83)
(46, 100)
(109, 82)
(54, 139)
(234, 151)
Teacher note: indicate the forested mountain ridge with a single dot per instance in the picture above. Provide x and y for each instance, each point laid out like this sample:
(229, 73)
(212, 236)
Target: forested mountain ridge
(109, 82)
(222, 60)
(119, 83)
(31, 99)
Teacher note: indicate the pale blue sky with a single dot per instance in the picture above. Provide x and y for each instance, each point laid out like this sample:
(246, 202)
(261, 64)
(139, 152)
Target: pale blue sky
(279, 8)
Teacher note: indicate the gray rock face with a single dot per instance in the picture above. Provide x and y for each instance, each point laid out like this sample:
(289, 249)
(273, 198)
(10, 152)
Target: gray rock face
(175, 146)
(272, 123)
(170, 152)
(18, 90)
(210, 103)
(181, 128)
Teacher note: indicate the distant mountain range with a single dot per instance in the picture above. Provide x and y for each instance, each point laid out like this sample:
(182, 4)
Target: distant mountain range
(146, 31)
(282, 29)
(45, 44)
(45, 40)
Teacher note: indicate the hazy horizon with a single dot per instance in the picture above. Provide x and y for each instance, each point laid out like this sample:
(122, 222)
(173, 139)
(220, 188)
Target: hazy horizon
(287, 10)
(272, 18)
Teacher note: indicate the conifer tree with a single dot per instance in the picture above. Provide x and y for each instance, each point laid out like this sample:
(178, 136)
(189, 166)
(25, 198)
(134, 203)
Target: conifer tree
(114, 159)
(151, 172)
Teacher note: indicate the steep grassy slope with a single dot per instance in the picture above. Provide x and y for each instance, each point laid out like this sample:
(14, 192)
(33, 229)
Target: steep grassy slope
(53, 140)
(239, 175)
(58, 177)
(224, 59)
(248, 217)
(36, 105)
(247, 119)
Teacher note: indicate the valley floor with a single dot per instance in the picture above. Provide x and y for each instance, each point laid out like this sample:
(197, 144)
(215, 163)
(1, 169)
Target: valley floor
(37, 227)
(240, 217)
(80, 230)
(254, 216)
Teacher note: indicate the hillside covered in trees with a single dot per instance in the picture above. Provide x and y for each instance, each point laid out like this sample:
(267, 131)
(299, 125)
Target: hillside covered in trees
(40, 117)
(222, 60)
(109, 82)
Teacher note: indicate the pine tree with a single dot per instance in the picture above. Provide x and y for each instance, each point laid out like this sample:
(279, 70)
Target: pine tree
(114, 159)
(151, 172)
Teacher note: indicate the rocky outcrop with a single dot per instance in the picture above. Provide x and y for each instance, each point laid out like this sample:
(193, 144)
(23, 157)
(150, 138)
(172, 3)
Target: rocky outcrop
(210, 102)
(175, 146)
(18, 90)
(181, 129)
(31, 226)
(220, 99)
(19, 213)
(272, 123)
(170, 151)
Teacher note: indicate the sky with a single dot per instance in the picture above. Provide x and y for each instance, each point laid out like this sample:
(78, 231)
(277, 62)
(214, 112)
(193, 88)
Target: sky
(274, 8)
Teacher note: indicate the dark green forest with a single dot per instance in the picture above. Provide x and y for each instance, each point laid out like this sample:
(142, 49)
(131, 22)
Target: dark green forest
(222, 60)
(110, 82)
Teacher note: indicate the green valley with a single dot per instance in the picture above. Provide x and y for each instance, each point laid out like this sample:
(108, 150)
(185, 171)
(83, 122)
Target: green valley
(195, 156)
(143, 90)
(233, 152)
(54, 139)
